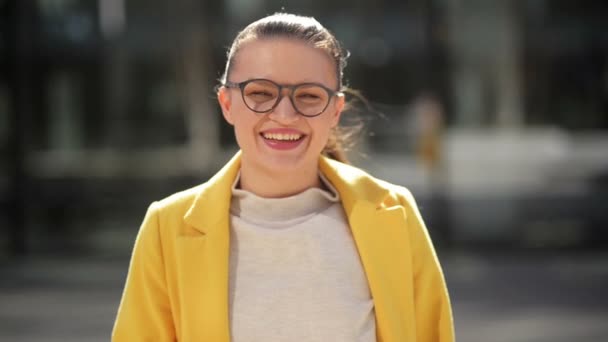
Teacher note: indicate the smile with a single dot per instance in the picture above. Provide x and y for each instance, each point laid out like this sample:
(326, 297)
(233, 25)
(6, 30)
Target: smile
(282, 136)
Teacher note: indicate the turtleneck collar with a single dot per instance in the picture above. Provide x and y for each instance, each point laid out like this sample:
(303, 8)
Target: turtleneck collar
(250, 207)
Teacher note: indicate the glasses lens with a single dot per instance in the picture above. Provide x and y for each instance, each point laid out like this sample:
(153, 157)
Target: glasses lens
(260, 95)
(310, 99)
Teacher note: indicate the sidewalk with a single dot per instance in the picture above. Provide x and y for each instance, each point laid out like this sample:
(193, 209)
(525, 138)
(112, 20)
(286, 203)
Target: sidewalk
(495, 298)
(60, 299)
(530, 298)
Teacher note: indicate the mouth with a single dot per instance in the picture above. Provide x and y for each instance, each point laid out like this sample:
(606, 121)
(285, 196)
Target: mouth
(287, 137)
(282, 139)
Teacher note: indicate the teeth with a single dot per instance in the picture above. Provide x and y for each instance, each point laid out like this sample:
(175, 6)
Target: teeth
(280, 136)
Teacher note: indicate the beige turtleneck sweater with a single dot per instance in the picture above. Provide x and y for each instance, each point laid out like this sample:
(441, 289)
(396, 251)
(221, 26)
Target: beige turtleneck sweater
(295, 274)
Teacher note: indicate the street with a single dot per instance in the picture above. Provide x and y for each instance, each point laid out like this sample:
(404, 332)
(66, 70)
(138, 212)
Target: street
(496, 297)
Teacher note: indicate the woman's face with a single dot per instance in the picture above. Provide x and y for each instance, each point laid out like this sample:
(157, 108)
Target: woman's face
(281, 140)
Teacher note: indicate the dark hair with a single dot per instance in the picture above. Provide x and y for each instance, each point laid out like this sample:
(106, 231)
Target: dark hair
(310, 31)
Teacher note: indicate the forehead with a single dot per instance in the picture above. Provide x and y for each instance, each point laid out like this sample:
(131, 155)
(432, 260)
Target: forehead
(283, 61)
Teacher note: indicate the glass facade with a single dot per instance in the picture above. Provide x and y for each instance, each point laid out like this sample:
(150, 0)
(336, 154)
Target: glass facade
(102, 90)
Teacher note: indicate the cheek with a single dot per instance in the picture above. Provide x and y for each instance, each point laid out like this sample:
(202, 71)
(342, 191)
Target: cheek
(245, 126)
(322, 130)
(242, 127)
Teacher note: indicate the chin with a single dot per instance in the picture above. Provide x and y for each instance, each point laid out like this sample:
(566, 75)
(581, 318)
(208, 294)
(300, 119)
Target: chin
(286, 163)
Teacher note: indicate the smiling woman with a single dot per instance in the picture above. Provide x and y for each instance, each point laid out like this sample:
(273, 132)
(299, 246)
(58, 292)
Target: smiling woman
(262, 111)
(286, 242)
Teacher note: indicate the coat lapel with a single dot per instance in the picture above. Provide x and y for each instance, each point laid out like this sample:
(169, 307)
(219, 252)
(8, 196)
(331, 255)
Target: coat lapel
(380, 234)
(203, 260)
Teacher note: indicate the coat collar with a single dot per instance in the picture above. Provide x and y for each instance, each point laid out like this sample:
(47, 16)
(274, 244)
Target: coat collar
(352, 184)
(378, 229)
(212, 203)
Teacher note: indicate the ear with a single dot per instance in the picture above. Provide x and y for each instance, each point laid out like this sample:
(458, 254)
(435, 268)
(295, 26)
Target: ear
(225, 101)
(338, 107)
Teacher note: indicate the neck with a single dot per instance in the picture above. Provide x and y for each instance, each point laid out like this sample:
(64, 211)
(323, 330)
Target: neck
(271, 184)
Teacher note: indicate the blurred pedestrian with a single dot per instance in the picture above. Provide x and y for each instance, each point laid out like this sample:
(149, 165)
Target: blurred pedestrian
(430, 129)
(430, 121)
(287, 242)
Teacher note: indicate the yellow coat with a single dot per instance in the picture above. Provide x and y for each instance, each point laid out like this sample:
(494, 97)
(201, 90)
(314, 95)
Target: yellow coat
(177, 285)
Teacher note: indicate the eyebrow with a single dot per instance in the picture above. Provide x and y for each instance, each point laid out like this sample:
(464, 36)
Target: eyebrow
(293, 83)
(278, 81)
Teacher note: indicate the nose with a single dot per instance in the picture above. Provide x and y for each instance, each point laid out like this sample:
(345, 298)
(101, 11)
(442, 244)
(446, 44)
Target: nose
(284, 112)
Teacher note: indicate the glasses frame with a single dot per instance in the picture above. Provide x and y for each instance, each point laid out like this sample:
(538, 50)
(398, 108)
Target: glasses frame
(241, 85)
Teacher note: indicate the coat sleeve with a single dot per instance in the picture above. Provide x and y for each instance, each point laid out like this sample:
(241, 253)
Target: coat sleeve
(144, 313)
(434, 321)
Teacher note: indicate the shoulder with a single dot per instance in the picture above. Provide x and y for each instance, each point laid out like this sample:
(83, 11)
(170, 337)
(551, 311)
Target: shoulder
(177, 204)
(367, 184)
(398, 195)
(398, 192)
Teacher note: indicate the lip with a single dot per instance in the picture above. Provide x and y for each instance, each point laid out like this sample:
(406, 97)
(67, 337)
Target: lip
(282, 131)
(282, 145)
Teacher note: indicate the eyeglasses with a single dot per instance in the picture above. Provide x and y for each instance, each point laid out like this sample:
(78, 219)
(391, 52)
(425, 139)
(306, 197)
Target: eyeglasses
(262, 96)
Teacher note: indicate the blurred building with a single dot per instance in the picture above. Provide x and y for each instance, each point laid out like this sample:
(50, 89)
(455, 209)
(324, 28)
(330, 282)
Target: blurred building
(108, 105)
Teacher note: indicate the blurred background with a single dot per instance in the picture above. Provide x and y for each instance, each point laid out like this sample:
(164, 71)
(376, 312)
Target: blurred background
(494, 114)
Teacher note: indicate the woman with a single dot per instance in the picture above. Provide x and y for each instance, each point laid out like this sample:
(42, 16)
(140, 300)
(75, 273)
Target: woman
(285, 243)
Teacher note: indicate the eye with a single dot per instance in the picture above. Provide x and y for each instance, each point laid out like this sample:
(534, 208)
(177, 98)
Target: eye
(308, 96)
(260, 95)
(260, 91)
